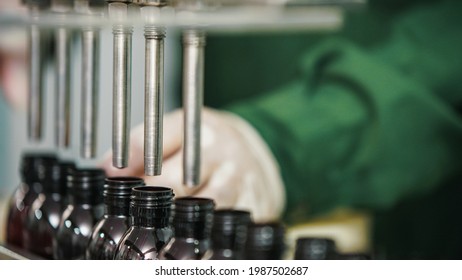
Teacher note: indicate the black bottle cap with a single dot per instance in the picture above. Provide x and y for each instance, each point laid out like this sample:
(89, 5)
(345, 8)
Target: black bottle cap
(193, 217)
(311, 248)
(229, 229)
(117, 192)
(150, 206)
(86, 185)
(265, 241)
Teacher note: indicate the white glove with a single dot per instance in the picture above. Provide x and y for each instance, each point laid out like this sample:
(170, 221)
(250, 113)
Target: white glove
(238, 170)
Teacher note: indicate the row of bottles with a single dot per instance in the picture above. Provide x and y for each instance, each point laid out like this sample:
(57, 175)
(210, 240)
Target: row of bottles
(54, 207)
(60, 211)
(315, 248)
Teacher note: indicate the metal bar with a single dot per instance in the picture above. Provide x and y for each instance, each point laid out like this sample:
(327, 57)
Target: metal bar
(154, 99)
(193, 91)
(121, 94)
(63, 38)
(90, 93)
(35, 100)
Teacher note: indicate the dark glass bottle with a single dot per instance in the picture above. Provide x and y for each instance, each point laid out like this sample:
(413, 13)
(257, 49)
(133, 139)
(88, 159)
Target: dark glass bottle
(192, 219)
(116, 220)
(229, 233)
(32, 175)
(150, 209)
(85, 208)
(67, 169)
(354, 256)
(45, 212)
(311, 248)
(265, 241)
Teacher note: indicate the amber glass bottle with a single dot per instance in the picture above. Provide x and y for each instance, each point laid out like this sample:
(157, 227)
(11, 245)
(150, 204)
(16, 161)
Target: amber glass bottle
(116, 220)
(150, 208)
(44, 214)
(311, 248)
(32, 176)
(229, 233)
(192, 219)
(85, 208)
(265, 241)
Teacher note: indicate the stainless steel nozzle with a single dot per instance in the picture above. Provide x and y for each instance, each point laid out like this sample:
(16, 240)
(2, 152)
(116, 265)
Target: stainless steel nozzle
(121, 94)
(193, 91)
(35, 100)
(36, 68)
(154, 99)
(63, 116)
(90, 93)
(121, 84)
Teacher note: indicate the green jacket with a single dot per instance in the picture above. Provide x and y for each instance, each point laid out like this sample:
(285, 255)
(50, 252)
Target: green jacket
(368, 117)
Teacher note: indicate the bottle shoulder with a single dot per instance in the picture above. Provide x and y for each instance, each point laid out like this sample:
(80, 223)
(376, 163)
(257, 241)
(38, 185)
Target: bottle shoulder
(186, 249)
(45, 210)
(105, 236)
(109, 230)
(79, 219)
(142, 243)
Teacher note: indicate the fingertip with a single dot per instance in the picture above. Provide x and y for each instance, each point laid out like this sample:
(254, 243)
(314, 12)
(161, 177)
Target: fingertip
(14, 81)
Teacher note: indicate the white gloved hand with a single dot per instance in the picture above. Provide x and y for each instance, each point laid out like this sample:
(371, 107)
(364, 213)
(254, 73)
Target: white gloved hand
(238, 170)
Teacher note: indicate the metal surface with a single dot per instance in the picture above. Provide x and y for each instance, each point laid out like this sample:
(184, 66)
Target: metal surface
(237, 19)
(193, 91)
(155, 3)
(154, 99)
(90, 94)
(35, 100)
(63, 90)
(8, 252)
(122, 45)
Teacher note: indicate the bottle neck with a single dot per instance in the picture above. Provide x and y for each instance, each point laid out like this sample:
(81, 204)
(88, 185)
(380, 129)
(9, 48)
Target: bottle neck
(85, 186)
(150, 217)
(117, 206)
(192, 217)
(117, 191)
(200, 230)
(230, 237)
(84, 197)
(150, 206)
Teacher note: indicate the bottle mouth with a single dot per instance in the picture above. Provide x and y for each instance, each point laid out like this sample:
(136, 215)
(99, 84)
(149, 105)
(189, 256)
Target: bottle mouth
(121, 186)
(314, 248)
(151, 196)
(86, 179)
(192, 209)
(61, 169)
(193, 204)
(231, 216)
(87, 174)
(265, 235)
(230, 223)
(37, 166)
(124, 180)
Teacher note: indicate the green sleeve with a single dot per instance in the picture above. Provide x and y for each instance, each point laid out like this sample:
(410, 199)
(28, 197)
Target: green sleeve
(368, 127)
